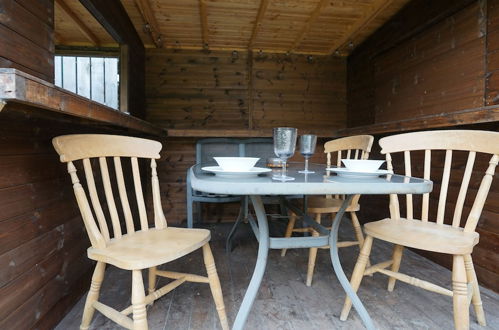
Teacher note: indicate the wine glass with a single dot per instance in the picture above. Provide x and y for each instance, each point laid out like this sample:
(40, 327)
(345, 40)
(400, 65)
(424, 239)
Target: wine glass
(284, 147)
(307, 149)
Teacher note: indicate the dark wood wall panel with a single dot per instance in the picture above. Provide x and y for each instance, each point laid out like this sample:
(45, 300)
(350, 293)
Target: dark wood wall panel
(298, 91)
(440, 70)
(428, 59)
(238, 90)
(492, 82)
(43, 264)
(194, 89)
(26, 37)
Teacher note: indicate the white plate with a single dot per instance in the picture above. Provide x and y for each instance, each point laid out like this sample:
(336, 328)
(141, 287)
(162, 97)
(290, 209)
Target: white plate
(341, 171)
(251, 172)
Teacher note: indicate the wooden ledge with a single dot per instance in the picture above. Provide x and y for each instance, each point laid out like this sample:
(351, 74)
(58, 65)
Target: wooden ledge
(19, 87)
(464, 117)
(213, 132)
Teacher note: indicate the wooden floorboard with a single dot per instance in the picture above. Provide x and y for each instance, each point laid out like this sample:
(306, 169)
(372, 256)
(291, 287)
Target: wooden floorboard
(284, 302)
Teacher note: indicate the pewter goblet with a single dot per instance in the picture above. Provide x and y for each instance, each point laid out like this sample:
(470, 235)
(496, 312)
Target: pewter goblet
(284, 147)
(307, 149)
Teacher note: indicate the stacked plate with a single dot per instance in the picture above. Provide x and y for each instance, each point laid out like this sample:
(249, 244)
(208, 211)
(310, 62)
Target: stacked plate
(236, 166)
(357, 168)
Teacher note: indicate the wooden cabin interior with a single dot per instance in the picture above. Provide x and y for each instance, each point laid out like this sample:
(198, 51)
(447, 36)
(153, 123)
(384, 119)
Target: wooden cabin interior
(193, 69)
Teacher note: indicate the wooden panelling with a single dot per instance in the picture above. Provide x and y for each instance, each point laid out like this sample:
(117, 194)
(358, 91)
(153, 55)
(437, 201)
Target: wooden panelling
(43, 264)
(492, 82)
(298, 91)
(26, 37)
(428, 59)
(234, 90)
(440, 70)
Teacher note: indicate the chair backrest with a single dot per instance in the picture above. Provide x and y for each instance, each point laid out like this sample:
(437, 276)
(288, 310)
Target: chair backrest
(258, 147)
(85, 147)
(471, 142)
(206, 149)
(352, 147)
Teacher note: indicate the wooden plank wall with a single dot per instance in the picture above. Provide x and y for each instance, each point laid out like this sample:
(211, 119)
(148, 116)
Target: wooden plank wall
(44, 269)
(230, 90)
(441, 59)
(26, 37)
(492, 55)
(225, 90)
(393, 74)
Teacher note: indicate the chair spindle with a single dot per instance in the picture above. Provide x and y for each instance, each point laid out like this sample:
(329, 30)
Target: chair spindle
(138, 193)
(444, 187)
(108, 191)
(130, 229)
(425, 205)
(456, 220)
(94, 197)
(408, 197)
(159, 217)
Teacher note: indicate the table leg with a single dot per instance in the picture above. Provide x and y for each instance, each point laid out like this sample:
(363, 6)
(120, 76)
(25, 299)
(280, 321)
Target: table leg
(243, 214)
(261, 263)
(333, 240)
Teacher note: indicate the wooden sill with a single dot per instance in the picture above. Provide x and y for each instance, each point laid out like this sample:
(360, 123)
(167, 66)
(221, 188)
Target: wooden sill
(19, 87)
(464, 117)
(213, 132)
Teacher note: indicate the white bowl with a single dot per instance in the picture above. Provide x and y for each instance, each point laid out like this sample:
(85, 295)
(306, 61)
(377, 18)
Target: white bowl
(360, 165)
(236, 163)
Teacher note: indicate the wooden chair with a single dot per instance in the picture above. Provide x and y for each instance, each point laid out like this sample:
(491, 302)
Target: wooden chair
(435, 235)
(126, 247)
(353, 147)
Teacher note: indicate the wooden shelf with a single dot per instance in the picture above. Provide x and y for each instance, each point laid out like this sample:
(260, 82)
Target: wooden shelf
(464, 117)
(19, 87)
(239, 132)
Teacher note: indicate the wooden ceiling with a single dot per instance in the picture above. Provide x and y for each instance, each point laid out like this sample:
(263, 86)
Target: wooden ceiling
(316, 27)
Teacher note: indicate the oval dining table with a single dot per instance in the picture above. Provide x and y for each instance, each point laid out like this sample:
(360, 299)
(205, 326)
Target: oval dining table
(322, 182)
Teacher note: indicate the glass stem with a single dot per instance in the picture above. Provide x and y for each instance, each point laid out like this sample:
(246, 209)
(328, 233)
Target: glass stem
(283, 173)
(306, 164)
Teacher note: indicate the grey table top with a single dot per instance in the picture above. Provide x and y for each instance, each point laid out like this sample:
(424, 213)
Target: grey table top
(319, 183)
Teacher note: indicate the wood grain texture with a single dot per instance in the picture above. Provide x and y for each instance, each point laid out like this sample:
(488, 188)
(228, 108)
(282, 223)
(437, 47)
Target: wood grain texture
(43, 263)
(219, 90)
(27, 38)
(427, 61)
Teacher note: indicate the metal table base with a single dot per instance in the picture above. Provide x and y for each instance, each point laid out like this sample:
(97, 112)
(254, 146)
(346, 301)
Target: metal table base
(265, 242)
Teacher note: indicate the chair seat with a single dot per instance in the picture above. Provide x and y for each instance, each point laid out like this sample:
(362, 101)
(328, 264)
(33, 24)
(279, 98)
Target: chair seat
(144, 249)
(428, 236)
(321, 204)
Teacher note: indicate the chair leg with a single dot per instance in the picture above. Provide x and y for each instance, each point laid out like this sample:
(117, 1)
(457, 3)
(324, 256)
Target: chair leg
(312, 254)
(357, 275)
(152, 279)
(93, 295)
(475, 299)
(358, 233)
(138, 301)
(460, 293)
(289, 229)
(397, 258)
(216, 289)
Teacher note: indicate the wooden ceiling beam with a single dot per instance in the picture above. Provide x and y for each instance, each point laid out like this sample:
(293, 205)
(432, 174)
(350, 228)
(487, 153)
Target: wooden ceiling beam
(377, 7)
(79, 23)
(152, 25)
(258, 21)
(203, 15)
(311, 19)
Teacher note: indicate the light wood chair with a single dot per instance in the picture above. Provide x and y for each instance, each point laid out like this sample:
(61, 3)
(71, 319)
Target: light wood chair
(126, 247)
(435, 236)
(353, 147)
